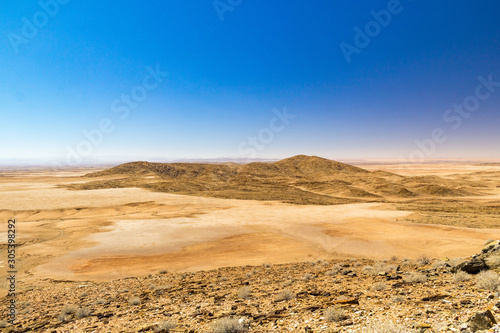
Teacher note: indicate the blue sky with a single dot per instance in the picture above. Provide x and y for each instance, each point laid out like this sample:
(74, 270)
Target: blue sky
(225, 78)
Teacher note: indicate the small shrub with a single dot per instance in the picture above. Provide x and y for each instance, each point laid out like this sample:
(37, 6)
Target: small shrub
(243, 292)
(134, 300)
(82, 313)
(63, 317)
(461, 276)
(165, 327)
(398, 299)
(285, 295)
(100, 301)
(424, 259)
(307, 276)
(69, 309)
(493, 261)
(334, 314)
(330, 273)
(379, 286)
(455, 262)
(378, 268)
(229, 325)
(415, 278)
(488, 280)
(439, 264)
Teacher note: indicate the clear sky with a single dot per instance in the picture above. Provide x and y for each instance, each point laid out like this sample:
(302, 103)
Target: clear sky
(249, 79)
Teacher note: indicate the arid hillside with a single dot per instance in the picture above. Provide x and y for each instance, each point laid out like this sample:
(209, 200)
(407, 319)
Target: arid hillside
(300, 180)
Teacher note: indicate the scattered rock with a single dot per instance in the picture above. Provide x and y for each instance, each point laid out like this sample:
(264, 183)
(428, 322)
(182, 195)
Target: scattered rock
(481, 321)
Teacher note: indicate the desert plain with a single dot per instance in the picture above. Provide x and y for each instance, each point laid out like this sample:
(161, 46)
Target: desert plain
(103, 224)
(108, 233)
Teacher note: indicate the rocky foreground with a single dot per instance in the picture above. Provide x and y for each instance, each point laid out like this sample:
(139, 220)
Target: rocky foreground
(396, 295)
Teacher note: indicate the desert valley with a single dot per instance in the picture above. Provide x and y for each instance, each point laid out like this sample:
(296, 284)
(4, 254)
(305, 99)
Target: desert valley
(283, 245)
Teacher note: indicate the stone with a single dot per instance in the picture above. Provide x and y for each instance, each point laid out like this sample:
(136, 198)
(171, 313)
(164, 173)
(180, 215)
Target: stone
(481, 321)
(473, 266)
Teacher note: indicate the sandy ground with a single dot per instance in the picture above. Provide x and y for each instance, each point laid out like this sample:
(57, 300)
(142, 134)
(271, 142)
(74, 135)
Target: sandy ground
(113, 233)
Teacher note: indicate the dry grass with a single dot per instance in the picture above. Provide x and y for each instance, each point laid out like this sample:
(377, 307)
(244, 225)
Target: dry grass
(415, 278)
(228, 325)
(285, 295)
(461, 276)
(379, 286)
(493, 261)
(384, 327)
(335, 314)
(134, 300)
(424, 259)
(165, 327)
(488, 280)
(398, 299)
(82, 313)
(244, 292)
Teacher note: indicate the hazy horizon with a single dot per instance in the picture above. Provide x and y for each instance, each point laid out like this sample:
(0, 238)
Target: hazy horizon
(394, 80)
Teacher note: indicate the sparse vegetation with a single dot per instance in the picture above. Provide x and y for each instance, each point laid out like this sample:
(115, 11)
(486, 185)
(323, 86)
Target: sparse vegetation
(488, 280)
(335, 314)
(398, 299)
(134, 300)
(379, 268)
(461, 276)
(454, 262)
(82, 313)
(66, 312)
(424, 259)
(100, 301)
(265, 282)
(493, 261)
(285, 295)
(379, 286)
(165, 326)
(229, 325)
(244, 292)
(384, 327)
(330, 273)
(307, 276)
(415, 278)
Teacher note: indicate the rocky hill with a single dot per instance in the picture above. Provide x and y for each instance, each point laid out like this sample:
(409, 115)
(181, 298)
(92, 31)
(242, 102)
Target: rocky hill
(300, 180)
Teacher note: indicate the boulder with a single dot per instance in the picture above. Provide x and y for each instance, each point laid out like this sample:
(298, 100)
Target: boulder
(481, 321)
(473, 266)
